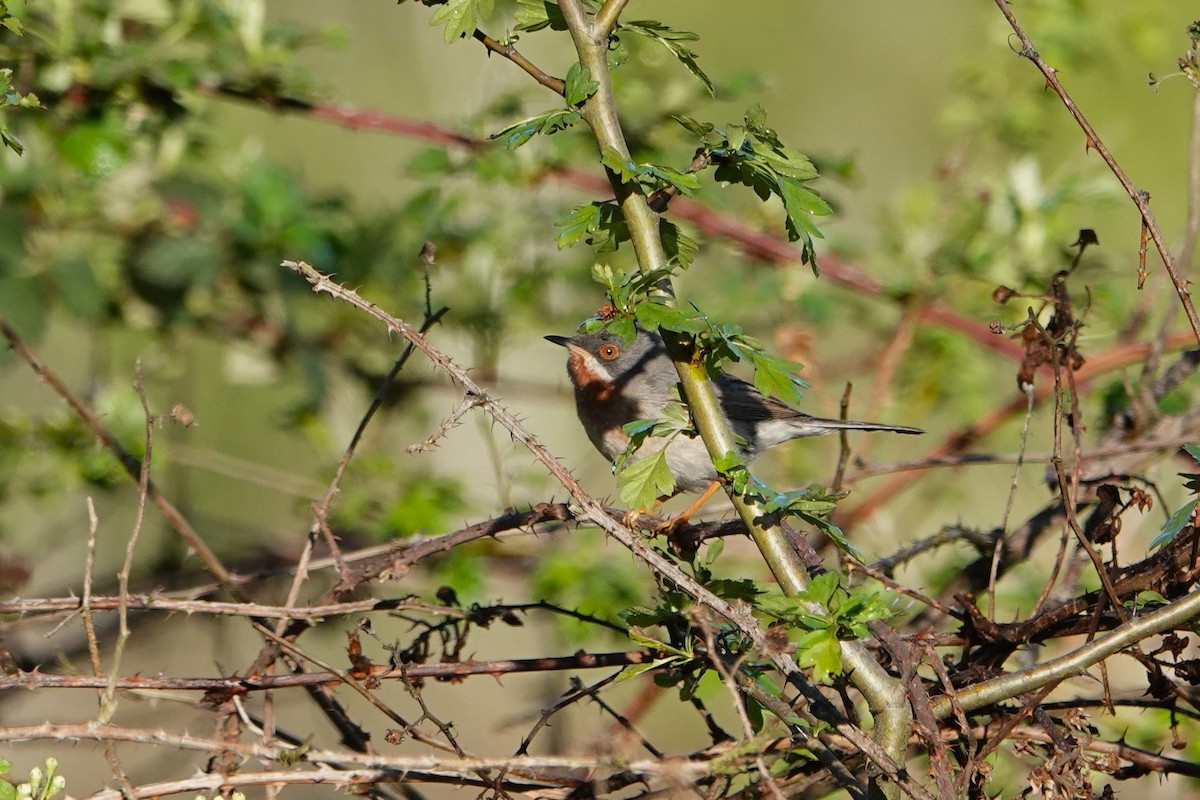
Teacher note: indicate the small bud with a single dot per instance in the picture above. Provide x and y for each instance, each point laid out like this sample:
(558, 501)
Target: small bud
(1002, 294)
(183, 415)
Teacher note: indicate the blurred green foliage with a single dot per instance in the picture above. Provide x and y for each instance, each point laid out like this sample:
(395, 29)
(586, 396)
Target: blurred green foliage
(133, 215)
(138, 224)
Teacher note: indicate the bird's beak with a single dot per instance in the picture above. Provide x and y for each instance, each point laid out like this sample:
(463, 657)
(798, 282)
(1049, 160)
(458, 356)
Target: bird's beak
(559, 340)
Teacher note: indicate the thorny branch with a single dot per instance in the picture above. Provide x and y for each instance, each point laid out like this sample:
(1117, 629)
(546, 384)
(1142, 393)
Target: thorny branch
(1140, 198)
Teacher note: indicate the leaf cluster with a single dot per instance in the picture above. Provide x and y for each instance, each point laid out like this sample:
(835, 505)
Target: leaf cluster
(825, 614)
(752, 154)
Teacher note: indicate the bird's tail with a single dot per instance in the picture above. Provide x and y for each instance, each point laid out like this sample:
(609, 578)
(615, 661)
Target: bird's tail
(818, 426)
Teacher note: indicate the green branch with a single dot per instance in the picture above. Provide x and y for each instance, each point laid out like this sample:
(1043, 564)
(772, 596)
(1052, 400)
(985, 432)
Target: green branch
(1015, 684)
(885, 696)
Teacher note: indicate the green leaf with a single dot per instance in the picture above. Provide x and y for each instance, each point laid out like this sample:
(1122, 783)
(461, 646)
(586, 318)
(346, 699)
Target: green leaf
(730, 589)
(1175, 524)
(459, 17)
(650, 643)
(701, 130)
(619, 165)
(756, 118)
(549, 122)
(790, 164)
(821, 651)
(534, 15)
(581, 221)
(833, 532)
(642, 482)
(657, 315)
(821, 588)
(754, 713)
(579, 84)
(773, 376)
(11, 141)
(680, 248)
(623, 327)
(728, 462)
(713, 551)
(801, 201)
(799, 501)
(633, 670)
(685, 182)
(672, 40)
(1146, 598)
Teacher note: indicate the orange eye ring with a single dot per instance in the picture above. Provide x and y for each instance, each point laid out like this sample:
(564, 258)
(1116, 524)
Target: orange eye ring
(609, 351)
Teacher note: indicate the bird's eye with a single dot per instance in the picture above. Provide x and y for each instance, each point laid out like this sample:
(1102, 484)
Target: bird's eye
(609, 351)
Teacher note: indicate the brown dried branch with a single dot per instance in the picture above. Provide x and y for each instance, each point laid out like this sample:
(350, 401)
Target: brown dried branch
(235, 685)
(549, 771)
(1140, 198)
(595, 513)
(128, 462)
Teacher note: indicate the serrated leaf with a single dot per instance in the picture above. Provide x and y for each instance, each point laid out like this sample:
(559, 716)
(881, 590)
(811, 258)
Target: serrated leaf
(734, 589)
(672, 40)
(736, 136)
(650, 643)
(728, 462)
(633, 670)
(1175, 524)
(713, 552)
(833, 532)
(799, 502)
(577, 224)
(773, 376)
(756, 118)
(790, 164)
(12, 142)
(701, 130)
(658, 315)
(680, 248)
(619, 164)
(459, 17)
(685, 182)
(13, 24)
(821, 588)
(642, 482)
(534, 15)
(800, 200)
(1147, 598)
(579, 85)
(821, 651)
(623, 327)
(520, 132)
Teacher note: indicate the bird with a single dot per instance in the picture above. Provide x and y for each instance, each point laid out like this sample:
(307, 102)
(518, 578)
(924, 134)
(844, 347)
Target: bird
(618, 382)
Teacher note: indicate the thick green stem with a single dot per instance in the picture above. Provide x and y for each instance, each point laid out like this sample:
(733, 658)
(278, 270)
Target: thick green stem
(885, 696)
(1015, 684)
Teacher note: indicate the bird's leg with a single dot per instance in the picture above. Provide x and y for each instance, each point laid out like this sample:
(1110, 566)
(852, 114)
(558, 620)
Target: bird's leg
(633, 516)
(683, 518)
